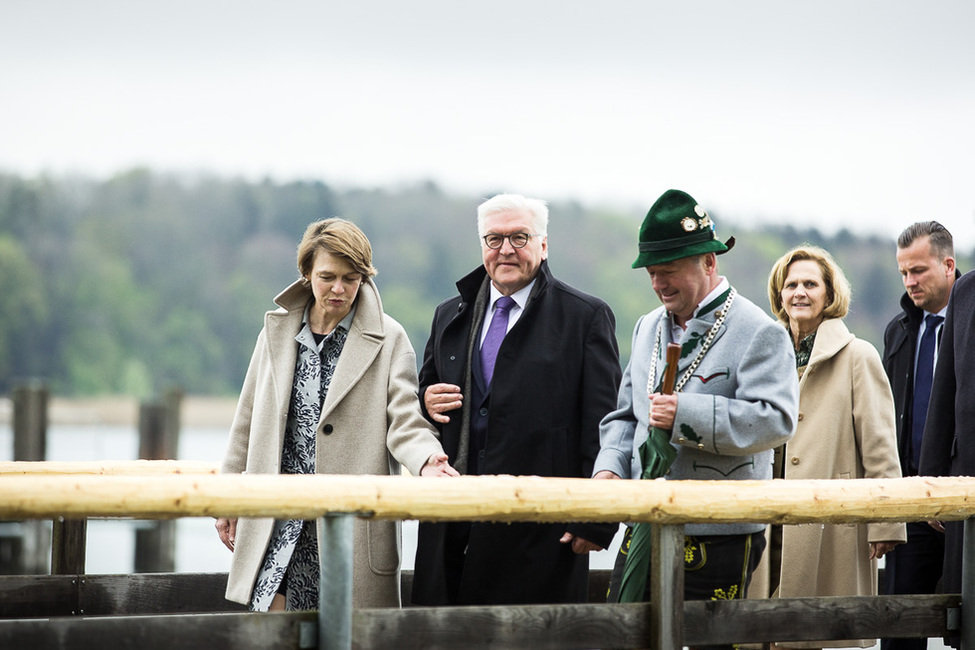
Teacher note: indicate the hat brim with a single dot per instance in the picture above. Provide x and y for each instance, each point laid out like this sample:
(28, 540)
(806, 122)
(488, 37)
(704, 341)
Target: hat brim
(662, 257)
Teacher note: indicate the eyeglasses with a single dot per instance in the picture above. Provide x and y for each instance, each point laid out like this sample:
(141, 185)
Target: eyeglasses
(518, 240)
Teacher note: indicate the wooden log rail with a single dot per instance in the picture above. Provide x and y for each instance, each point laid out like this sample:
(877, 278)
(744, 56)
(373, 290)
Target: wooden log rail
(666, 623)
(486, 498)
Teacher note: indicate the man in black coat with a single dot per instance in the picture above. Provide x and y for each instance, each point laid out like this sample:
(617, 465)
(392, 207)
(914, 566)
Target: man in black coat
(948, 448)
(925, 257)
(533, 407)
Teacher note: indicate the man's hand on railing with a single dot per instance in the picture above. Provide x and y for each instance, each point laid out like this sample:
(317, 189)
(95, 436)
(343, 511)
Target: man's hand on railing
(227, 530)
(580, 546)
(937, 525)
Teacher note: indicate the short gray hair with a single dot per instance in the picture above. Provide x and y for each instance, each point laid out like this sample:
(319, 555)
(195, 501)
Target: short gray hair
(537, 208)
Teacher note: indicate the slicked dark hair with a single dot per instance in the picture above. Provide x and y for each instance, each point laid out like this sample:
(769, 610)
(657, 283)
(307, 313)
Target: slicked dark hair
(941, 241)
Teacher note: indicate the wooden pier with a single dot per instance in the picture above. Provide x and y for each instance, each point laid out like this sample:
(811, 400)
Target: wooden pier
(666, 623)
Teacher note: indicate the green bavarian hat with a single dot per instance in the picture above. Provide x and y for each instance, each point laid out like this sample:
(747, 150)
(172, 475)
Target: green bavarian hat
(675, 227)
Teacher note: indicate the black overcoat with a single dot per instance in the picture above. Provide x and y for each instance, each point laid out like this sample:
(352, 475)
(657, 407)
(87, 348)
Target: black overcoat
(556, 376)
(900, 344)
(948, 447)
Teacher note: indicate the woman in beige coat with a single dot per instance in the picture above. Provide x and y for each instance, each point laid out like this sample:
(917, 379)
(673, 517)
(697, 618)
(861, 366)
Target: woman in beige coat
(845, 430)
(331, 389)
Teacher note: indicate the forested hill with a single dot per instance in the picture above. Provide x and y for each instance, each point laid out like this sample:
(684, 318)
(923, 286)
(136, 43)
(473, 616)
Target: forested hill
(145, 280)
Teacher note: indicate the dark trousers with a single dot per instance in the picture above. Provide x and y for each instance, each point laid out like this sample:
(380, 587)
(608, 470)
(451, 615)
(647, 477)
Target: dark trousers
(716, 567)
(914, 568)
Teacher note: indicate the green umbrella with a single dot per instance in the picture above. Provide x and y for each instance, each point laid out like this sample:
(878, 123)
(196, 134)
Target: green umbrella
(656, 457)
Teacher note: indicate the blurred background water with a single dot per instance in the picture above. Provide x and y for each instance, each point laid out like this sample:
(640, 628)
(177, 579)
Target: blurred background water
(111, 542)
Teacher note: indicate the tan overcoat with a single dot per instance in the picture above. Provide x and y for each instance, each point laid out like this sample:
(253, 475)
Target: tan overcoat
(845, 430)
(370, 424)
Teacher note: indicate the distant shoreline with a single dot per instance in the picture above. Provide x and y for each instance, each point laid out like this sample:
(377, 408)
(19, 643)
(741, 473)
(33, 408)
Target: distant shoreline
(196, 411)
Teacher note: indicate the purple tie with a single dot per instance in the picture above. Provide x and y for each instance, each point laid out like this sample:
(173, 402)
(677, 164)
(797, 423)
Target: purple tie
(495, 334)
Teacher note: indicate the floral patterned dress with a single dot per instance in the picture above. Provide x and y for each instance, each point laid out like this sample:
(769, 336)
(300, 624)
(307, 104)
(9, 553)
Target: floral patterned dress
(292, 553)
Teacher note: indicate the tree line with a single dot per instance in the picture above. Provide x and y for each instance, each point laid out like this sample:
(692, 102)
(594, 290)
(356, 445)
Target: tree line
(143, 281)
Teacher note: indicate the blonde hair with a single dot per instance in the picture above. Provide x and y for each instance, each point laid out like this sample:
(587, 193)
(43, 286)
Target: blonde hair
(838, 292)
(339, 237)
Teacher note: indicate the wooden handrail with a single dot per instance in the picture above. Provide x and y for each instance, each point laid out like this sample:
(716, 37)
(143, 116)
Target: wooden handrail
(488, 498)
(109, 467)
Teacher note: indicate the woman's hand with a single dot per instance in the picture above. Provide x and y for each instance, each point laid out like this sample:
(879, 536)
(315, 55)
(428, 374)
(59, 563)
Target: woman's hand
(437, 465)
(880, 549)
(227, 530)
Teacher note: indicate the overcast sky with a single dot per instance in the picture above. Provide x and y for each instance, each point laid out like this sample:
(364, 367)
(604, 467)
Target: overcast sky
(827, 114)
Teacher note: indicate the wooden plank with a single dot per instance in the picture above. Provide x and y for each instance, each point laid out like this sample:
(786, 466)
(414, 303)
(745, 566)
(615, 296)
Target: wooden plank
(598, 585)
(490, 498)
(27, 596)
(816, 619)
(537, 627)
(114, 594)
(279, 631)
(109, 467)
(628, 626)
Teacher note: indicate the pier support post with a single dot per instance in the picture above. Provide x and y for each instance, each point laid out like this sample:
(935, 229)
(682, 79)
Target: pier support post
(27, 551)
(667, 587)
(155, 543)
(335, 582)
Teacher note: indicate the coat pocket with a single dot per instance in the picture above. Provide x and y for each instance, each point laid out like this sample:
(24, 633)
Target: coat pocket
(382, 546)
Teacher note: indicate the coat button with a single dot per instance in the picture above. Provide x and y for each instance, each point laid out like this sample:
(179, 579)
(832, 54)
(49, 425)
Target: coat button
(483, 412)
(327, 429)
(795, 460)
(700, 445)
(682, 440)
(453, 358)
(801, 415)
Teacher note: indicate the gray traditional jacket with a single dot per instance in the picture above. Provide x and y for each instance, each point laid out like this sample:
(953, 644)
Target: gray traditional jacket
(740, 402)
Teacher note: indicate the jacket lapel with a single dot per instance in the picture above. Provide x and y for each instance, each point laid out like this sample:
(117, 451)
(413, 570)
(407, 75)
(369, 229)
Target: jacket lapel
(361, 347)
(282, 351)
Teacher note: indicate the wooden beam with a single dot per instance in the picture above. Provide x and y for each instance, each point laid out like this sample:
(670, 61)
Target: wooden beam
(816, 619)
(113, 594)
(110, 467)
(535, 627)
(489, 498)
(284, 631)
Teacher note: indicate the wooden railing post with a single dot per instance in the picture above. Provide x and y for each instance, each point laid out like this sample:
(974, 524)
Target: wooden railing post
(335, 582)
(667, 587)
(68, 546)
(30, 444)
(155, 542)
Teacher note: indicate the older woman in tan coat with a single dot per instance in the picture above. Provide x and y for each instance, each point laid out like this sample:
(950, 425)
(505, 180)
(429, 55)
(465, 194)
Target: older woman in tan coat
(331, 388)
(845, 430)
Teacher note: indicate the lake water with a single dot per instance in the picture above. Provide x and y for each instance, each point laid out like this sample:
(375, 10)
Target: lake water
(111, 542)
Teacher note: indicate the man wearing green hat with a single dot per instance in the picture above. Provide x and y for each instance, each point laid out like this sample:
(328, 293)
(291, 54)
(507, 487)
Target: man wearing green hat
(736, 398)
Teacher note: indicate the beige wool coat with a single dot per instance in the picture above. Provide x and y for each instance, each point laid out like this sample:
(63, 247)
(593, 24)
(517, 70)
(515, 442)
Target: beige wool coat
(370, 424)
(845, 430)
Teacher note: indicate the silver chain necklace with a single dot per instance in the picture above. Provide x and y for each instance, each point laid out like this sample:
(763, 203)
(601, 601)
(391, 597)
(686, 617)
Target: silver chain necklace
(720, 317)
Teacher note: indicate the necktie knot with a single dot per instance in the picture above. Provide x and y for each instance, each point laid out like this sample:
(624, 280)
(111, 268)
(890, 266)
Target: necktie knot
(505, 303)
(931, 321)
